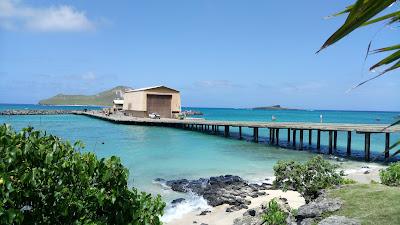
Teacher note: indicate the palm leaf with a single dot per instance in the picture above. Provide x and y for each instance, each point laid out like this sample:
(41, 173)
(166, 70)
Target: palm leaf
(391, 48)
(395, 66)
(385, 17)
(391, 58)
(361, 12)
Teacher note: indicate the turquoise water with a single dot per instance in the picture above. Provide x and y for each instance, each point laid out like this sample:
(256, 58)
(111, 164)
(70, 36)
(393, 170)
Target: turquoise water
(158, 152)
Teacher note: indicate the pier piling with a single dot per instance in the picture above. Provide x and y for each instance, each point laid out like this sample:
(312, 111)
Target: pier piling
(301, 139)
(330, 142)
(348, 143)
(335, 139)
(277, 137)
(226, 131)
(367, 146)
(294, 138)
(387, 145)
(255, 134)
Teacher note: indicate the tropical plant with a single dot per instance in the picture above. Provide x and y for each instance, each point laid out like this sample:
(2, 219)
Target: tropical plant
(307, 178)
(391, 175)
(367, 12)
(274, 214)
(44, 180)
(362, 13)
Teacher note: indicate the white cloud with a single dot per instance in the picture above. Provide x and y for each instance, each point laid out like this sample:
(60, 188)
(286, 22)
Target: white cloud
(14, 16)
(215, 84)
(89, 76)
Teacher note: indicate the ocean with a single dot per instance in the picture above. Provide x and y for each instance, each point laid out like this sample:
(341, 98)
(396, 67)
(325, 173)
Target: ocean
(169, 153)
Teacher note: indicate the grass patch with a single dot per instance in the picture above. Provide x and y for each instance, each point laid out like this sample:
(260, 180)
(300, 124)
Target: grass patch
(369, 203)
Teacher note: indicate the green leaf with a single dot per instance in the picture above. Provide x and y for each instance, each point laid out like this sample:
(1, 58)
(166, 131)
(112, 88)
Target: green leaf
(391, 48)
(391, 58)
(361, 12)
(388, 16)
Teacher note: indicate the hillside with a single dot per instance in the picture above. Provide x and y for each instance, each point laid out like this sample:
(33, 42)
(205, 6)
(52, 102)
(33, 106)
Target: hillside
(102, 99)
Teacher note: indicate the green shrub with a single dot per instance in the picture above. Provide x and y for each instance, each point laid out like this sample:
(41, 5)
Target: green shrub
(348, 181)
(274, 214)
(46, 181)
(391, 175)
(308, 178)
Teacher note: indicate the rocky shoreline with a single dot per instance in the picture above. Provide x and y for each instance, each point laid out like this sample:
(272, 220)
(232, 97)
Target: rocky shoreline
(237, 195)
(227, 189)
(16, 112)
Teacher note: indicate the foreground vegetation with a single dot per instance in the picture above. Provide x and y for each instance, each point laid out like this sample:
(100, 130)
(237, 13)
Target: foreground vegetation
(307, 178)
(44, 180)
(369, 203)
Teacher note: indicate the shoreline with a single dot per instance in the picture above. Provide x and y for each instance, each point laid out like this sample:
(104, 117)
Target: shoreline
(363, 173)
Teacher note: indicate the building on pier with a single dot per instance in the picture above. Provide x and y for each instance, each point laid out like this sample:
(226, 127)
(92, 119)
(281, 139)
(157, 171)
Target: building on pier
(117, 105)
(161, 100)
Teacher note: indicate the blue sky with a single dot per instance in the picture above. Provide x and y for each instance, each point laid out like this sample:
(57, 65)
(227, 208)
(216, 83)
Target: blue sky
(224, 53)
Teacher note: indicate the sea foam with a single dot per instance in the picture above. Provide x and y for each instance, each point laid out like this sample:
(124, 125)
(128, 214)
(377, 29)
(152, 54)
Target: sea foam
(193, 203)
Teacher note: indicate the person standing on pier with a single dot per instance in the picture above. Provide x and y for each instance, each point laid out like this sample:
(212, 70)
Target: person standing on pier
(320, 118)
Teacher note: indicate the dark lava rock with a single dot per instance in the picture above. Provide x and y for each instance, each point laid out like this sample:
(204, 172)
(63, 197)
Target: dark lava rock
(251, 212)
(339, 220)
(177, 201)
(205, 212)
(228, 189)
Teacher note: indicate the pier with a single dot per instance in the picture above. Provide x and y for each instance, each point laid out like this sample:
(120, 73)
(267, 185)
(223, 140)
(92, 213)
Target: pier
(275, 129)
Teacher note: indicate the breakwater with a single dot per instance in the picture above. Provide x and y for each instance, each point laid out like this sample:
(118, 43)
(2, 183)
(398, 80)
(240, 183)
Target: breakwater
(16, 112)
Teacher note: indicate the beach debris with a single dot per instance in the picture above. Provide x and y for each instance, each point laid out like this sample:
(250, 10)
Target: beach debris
(205, 212)
(228, 189)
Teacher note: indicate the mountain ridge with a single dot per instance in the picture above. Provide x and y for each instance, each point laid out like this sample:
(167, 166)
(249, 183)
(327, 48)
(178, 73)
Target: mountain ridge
(103, 98)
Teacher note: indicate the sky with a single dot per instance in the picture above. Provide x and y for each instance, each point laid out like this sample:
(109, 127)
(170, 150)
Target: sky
(218, 53)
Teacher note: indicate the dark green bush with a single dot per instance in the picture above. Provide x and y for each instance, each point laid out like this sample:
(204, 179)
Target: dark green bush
(274, 214)
(308, 178)
(391, 175)
(46, 181)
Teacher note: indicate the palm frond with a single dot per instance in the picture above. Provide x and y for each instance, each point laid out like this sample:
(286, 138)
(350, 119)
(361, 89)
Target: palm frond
(394, 15)
(361, 12)
(395, 66)
(391, 58)
(391, 48)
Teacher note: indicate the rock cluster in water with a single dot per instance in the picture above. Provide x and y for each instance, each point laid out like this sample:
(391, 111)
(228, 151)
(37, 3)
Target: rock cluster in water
(228, 189)
(34, 112)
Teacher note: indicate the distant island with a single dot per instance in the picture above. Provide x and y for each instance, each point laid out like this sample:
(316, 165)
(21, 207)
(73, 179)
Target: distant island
(274, 107)
(104, 98)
